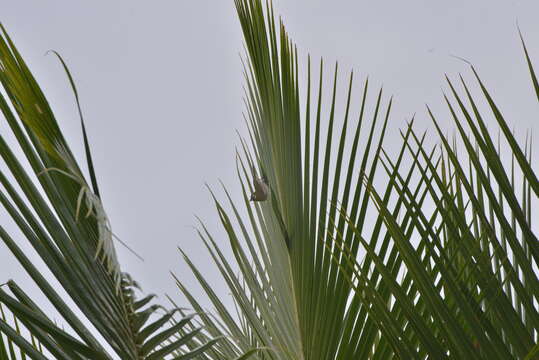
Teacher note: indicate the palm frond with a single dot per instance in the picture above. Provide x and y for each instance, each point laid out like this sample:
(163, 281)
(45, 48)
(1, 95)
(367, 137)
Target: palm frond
(447, 267)
(13, 343)
(461, 278)
(291, 297)
(63, 218)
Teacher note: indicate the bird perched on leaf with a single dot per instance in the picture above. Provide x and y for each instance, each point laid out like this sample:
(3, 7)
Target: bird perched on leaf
(261, 189)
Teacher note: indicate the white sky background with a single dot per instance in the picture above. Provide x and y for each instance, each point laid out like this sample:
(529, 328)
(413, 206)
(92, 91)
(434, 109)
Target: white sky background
(161, 90)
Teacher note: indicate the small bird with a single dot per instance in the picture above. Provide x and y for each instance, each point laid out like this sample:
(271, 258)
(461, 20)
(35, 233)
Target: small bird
(261, 189)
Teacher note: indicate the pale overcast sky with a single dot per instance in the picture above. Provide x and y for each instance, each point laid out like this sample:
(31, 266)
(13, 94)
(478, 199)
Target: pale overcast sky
(161, 89)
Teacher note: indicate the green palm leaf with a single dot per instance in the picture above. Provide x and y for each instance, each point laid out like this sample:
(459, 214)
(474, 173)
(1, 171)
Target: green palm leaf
(64, 220)
(290, 295)
(461, 278)
(445, 270)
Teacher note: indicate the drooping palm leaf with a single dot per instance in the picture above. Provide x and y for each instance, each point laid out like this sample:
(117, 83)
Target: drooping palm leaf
(64, 220)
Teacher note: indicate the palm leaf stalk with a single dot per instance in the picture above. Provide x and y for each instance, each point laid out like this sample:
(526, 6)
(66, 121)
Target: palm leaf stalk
(62, 217)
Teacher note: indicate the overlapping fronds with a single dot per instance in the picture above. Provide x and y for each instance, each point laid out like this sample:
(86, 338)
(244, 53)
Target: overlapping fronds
(13, 343)
(435, 260)
(456, 274)
(63, 218)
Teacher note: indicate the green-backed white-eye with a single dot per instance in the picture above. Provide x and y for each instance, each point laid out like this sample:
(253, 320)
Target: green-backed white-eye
(261, 189)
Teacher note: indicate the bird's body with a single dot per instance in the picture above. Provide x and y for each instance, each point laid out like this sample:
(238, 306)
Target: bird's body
(261, 189)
